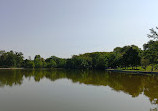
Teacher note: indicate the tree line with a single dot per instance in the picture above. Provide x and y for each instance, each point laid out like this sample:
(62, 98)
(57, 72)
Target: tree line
(127, 56)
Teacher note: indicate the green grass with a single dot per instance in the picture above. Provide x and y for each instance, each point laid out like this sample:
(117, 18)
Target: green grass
(139, 68)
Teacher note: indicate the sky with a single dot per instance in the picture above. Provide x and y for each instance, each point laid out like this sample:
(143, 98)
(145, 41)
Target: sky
(68, 27)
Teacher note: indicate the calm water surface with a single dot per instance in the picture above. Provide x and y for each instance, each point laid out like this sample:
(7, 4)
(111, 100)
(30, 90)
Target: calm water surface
(73, 90)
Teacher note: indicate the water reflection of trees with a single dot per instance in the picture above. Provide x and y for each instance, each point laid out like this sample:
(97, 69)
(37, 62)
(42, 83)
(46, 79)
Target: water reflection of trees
(130, 84)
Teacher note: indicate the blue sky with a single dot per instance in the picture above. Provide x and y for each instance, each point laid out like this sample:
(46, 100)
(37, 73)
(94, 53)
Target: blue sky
(67, 27)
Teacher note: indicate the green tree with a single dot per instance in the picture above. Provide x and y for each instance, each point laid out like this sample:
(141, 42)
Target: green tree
(11, 59)
(151, 52)
(61, 63)
(132, 57)
(51, 64)
(38, 61)
(127, 56)
(19, 59)
(57, 62)
(145, 62)
(28, 64)
(80, 62)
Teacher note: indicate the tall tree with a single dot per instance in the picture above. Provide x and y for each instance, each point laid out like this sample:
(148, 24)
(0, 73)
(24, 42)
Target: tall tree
(151, 52)
(38, 61)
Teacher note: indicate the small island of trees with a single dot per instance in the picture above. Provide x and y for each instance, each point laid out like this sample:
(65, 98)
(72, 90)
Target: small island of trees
(127, 57)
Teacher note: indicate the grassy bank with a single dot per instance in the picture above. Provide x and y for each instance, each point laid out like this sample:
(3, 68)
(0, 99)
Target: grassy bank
(139, 68)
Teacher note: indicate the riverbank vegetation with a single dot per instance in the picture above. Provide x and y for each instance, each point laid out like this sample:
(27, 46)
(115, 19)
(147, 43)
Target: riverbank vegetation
(127, 57)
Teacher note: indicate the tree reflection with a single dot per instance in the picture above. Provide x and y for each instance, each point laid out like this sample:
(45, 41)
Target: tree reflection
(131, 84)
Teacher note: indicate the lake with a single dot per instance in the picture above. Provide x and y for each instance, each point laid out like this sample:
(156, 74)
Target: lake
(75, 90)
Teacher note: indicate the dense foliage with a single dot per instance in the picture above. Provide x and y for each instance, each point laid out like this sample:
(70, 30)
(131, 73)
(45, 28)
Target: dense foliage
(11, 59)
(120, 57)
(127, 56)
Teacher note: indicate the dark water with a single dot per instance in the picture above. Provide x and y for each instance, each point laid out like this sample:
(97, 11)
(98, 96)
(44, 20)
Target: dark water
(73, 90)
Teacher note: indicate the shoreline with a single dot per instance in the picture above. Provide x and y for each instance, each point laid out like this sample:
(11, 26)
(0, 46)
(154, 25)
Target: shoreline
(108, 70)
(27, 68)
(11, 68)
